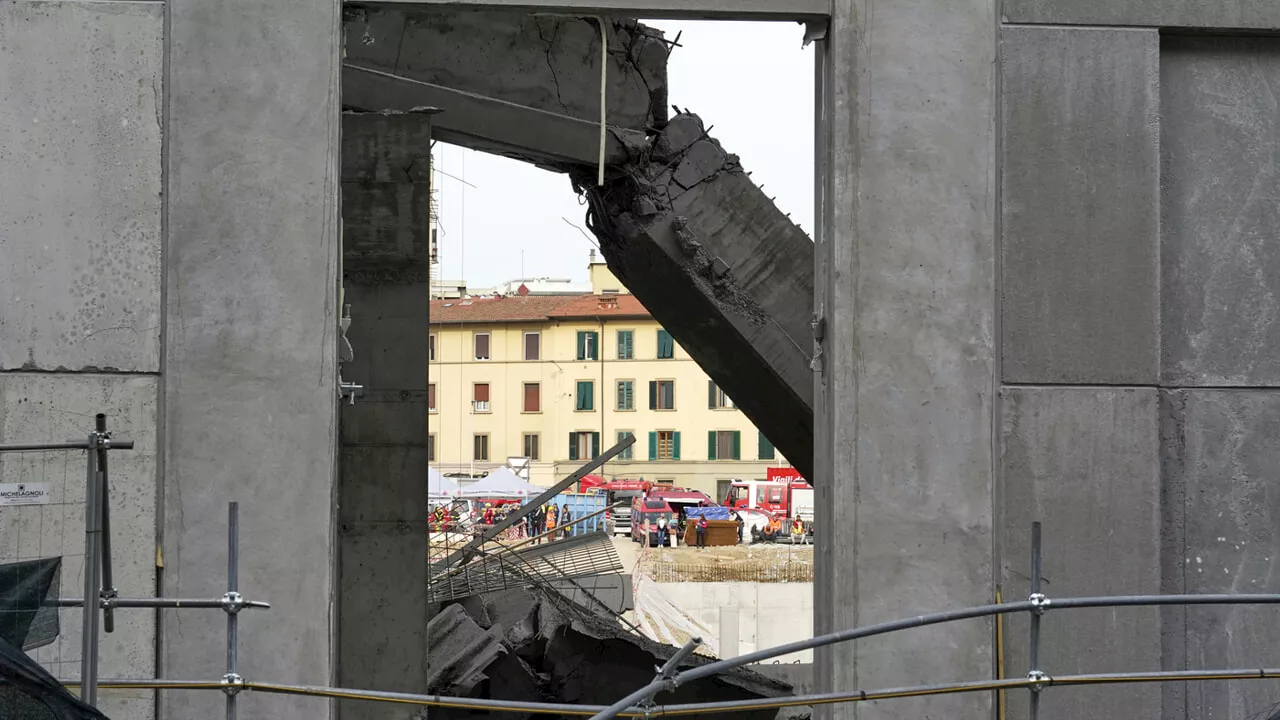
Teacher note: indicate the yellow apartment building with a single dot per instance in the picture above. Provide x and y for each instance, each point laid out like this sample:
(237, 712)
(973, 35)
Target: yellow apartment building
(559, 379)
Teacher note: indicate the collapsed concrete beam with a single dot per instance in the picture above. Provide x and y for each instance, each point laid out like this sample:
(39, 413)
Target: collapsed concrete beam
(549, 140)
(548, 63)
(726, 272)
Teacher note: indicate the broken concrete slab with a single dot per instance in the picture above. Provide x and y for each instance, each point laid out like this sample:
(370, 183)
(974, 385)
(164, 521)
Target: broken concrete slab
(545, 62)
(685, 208)
(549, 140)
(461, 650)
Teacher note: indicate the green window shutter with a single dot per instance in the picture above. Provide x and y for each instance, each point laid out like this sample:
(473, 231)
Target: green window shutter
(573, 446)
(766, 448)
(665, 346)
(586, 395)
(675, 446)
(629, 348)
(711, 394)
(737, 445)
(582, 345)
(622, 345)
(653, 446)
(653, 394)
(595, 444)
(595, 345)
(711, 444)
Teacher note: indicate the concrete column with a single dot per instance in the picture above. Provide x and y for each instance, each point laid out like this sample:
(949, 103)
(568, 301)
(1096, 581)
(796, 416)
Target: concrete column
(905, 515)
(250, 327)
(382, 493)
(730, 645)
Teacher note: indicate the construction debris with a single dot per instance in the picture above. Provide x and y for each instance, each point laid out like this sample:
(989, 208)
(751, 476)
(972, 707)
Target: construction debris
(535, 644)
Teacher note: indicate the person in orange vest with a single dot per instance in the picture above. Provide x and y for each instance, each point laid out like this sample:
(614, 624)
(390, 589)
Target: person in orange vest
(551, 520)
(797, 532)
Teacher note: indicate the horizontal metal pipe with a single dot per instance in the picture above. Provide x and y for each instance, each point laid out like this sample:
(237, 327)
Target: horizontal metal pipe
(179, 603)
(69, 445)
(711, 707)
(1150, 600)
(430, 700)
(82, 445)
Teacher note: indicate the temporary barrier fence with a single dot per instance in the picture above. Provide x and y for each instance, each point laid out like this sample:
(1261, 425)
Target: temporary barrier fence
(639, 703)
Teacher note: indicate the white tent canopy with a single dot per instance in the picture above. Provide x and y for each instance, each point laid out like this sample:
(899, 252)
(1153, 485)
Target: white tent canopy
(501, 483)
(439, 486)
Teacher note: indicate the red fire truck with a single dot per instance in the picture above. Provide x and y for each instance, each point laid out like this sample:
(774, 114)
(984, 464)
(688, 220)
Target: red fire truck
(623, 491)
(785, 494)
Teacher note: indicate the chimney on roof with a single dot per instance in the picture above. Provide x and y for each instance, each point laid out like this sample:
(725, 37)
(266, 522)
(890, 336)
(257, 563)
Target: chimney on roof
(608, 302)
(523, 290)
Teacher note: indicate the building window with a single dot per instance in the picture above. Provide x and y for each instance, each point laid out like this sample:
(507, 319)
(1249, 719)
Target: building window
(766, 448)
(629, 452)
(431, 348)
(722, 490)
(431, 397)
(480, 448)
(724, 445)
(626, 394)
(586, 396)
(531, 446)
(664, 445)
(532, 346)
(716, 399)
(480, 397)
(587, 344)
(431, 447)
(666, 346)
(626, 345)
(482, 346)
(584, 445)
(662, 395)
(532, 397)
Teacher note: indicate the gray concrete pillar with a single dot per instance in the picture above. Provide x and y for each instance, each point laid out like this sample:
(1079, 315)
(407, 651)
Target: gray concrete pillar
(906, 289)
(730, 633)
(250, 322)
(382, 484)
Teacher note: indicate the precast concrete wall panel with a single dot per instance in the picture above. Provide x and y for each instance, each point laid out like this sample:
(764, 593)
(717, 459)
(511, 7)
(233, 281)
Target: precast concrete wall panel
(80, 185)
(1084, 462)
(50, 407)
(1221, 263)
(1080, 206)
(1241, 14)
(1222, 529)
(250, 383)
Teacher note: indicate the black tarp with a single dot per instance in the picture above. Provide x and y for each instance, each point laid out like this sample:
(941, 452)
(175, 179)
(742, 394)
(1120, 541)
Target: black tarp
(28, 617)
(29, 692)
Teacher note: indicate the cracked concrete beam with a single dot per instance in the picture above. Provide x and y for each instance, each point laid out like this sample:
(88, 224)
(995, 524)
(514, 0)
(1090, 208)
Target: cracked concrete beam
(544, 62)
(549, 140)
(725, 271)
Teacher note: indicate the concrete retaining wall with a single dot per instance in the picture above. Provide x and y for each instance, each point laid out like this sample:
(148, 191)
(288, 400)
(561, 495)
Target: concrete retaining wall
(769, 614)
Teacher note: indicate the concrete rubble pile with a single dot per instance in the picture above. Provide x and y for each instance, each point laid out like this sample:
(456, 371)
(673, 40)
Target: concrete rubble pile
(536, 645)
(720, 266)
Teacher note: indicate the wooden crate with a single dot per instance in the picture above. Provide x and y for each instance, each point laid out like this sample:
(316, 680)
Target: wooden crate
(719, 532)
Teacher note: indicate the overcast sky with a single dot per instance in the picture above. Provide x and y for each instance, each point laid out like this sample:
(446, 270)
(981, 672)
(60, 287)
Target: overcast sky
(752, 82)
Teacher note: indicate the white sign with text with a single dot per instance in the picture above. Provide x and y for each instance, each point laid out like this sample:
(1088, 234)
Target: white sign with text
(25, 494)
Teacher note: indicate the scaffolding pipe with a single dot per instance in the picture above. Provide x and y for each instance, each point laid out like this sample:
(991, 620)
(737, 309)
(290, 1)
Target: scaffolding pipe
(232, 679)
(69, 445)
(169, 603)
(1037, 600)
(108, 589)
(92, 587)
(848, 696)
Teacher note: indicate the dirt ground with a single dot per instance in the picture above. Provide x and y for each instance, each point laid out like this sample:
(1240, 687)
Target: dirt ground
(733, 563)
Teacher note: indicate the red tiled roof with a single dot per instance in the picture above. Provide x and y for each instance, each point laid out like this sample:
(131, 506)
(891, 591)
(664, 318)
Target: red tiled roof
(534, 308)
(517, 308)
(593, 306)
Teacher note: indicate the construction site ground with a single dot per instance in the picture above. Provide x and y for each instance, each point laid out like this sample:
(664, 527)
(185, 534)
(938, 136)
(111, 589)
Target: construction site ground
(763, 562)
